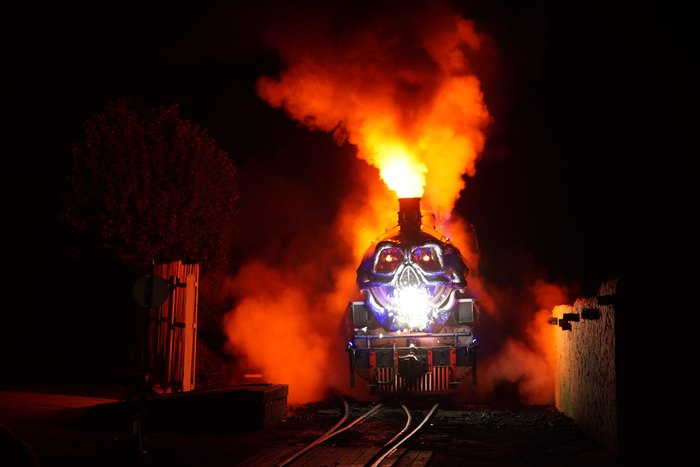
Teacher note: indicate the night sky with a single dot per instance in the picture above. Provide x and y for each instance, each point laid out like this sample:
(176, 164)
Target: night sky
(577, 94)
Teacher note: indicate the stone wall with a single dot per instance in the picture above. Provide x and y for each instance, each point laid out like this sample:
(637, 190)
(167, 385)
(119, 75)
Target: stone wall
(585, 380)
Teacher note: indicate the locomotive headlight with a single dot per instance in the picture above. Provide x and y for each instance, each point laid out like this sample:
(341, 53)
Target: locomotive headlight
(413, 308)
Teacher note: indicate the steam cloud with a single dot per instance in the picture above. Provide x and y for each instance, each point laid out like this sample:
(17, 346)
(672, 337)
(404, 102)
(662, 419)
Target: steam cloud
(378, 77)
(397, 83)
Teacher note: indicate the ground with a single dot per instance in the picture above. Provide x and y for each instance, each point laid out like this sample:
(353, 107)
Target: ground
(488, 434)
(46, 424)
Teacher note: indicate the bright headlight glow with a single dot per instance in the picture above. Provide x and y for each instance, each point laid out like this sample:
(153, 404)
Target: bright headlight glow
(413, 308)
(410, 302)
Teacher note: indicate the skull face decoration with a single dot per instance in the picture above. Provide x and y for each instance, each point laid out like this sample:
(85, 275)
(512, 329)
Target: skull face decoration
(410, 280)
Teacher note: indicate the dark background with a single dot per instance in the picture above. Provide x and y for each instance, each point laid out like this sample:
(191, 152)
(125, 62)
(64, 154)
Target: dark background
(585, 99)
(586, 173)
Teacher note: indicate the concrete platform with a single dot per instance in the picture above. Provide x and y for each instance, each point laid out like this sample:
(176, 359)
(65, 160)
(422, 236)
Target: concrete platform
(222, 410)
(58, 426)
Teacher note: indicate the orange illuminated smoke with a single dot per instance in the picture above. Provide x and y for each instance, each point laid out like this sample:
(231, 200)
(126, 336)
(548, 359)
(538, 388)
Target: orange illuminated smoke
(399, 87)
(398, 84)
(529, 359)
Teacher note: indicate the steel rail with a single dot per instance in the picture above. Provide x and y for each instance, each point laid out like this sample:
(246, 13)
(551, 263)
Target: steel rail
(393, 449)
(334, 431)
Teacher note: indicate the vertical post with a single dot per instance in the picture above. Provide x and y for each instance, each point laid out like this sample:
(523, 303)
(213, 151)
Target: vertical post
(150, 291)
(142, 420)
(351, 354)
(189, 336)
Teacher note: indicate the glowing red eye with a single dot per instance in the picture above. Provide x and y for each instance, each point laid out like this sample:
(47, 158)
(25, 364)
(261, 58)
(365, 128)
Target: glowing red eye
(387, 260)
(427, 258)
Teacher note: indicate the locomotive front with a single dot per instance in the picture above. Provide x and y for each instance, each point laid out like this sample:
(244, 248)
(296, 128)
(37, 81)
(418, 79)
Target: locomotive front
(412, 332)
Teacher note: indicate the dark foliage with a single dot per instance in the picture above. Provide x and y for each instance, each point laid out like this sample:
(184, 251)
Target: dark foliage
(152, 186)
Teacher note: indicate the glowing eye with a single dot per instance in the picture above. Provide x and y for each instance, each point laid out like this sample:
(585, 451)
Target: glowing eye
(427, 257)
(388, 260)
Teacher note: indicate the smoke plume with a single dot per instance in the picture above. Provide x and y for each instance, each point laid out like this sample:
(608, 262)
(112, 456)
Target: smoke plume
(395, 81)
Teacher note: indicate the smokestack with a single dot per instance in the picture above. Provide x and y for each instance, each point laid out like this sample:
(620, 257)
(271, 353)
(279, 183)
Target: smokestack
(409, 214)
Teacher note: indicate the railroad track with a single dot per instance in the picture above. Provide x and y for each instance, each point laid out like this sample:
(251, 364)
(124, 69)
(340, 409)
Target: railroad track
(374, 456)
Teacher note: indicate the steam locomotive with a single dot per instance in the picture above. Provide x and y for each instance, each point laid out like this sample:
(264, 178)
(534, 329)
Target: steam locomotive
(412, 333)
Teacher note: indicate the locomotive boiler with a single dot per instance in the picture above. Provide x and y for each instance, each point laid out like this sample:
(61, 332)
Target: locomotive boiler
(412, 331)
